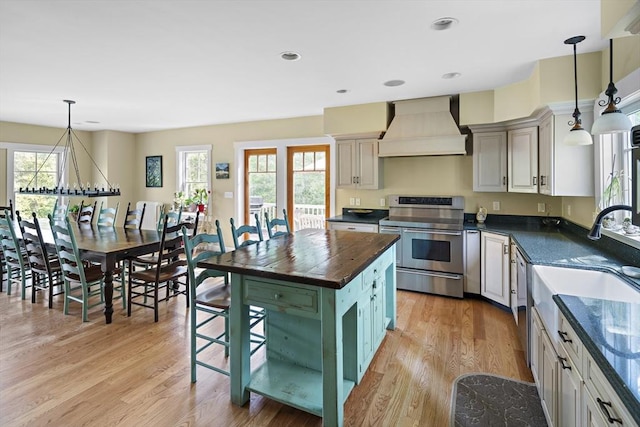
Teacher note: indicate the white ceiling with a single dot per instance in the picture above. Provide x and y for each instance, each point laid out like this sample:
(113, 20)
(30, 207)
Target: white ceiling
(140, 65)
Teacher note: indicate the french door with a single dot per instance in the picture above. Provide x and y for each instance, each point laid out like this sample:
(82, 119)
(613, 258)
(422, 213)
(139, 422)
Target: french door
(260, 188)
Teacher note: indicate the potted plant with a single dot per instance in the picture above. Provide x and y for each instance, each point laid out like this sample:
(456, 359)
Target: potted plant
(200, 198)
(178, 200)
(73, 211)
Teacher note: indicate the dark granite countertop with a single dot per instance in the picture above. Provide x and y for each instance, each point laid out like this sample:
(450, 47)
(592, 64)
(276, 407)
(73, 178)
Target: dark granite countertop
(372, 218)
(610, 331)
(565, 245)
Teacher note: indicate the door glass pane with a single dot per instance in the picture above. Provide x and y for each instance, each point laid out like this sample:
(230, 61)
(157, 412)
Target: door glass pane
(309, 189)
(261, 188)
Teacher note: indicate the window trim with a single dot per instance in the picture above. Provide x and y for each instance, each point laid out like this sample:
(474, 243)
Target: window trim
(12, 147)
(629, 92)
(180, 167)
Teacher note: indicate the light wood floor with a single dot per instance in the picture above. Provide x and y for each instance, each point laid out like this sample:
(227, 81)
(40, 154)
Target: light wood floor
(55, 370)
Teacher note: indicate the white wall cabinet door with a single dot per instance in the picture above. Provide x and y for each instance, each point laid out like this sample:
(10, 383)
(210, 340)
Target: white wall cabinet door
(358, 164)
(555, 178)
(346, 164)
(494, 253)
(523, 160)
(490, 161)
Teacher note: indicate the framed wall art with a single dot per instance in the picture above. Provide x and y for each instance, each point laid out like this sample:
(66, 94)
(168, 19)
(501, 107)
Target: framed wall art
(154, 171)
(222, 170)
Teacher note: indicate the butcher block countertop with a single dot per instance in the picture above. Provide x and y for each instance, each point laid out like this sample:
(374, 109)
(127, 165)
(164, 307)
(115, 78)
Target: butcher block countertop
(329, 259)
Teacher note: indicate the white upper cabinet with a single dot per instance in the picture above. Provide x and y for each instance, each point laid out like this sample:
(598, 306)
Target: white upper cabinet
(564, 170)
(358, 164)
(522, 153)
(490, 162)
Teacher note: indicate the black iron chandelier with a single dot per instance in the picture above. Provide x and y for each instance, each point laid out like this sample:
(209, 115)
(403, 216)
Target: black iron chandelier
(70, 152)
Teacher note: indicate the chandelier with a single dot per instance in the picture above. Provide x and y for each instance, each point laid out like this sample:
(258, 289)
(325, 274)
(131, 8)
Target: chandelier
(70, 152)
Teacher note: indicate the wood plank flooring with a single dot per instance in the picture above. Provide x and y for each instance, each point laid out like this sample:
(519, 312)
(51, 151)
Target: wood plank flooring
(56, 370)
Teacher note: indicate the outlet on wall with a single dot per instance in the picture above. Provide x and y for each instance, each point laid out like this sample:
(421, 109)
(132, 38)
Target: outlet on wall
(357, 201)
(496, 206)
(568, 210)
(352, 201)
(541, 207)
(382, 201)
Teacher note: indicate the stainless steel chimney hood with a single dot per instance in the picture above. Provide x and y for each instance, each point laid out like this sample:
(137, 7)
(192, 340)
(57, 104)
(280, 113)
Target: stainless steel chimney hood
(422, 127)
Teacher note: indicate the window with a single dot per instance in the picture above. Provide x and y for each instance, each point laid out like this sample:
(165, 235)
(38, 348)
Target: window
(260, 184)
(33, 166)
(193, 169)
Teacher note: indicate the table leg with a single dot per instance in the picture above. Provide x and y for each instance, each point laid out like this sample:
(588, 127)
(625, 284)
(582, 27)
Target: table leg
(332, 369)
(108, 295)
(240, 344)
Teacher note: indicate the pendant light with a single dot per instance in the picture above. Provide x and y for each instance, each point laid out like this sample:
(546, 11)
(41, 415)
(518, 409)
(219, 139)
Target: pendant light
(611, 120)
(104, 190)
(577, 135)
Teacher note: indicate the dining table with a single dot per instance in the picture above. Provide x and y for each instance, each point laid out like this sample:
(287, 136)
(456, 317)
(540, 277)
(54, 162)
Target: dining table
(108, 245)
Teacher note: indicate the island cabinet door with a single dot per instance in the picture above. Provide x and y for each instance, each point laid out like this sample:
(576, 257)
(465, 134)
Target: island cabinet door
(365, 332)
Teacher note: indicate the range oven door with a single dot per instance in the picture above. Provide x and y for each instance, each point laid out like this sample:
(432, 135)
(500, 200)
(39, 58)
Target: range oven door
(385, 229)
(435, 250)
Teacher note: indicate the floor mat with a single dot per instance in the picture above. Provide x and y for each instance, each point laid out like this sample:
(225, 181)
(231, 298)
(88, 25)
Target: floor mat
(491, 400)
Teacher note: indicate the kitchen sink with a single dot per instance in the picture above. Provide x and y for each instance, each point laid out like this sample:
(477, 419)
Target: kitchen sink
(549, 281)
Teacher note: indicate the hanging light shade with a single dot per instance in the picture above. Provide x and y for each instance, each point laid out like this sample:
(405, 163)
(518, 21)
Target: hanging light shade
(611, 120)
(577, 135)
(97, 190)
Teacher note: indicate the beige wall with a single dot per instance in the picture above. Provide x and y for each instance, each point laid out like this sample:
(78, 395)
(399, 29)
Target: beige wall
(42, 135)
(221, 138)
(444, 175)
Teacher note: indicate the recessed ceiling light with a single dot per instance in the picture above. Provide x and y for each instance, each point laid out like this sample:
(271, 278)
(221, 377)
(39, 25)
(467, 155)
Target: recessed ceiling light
(441, 24)
(290, 56)
(392, 83)
(451, 75)
(342, 91)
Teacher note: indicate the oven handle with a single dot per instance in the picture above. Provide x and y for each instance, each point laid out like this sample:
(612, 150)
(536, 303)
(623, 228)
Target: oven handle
(417, 230)
(390, 230)
(430, 273)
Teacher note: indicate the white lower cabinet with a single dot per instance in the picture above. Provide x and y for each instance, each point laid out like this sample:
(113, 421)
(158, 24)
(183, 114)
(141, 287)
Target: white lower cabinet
(569, 391)
(353, 226)
(494, 279)
(573, 390)
(548, 388)
(371, 313)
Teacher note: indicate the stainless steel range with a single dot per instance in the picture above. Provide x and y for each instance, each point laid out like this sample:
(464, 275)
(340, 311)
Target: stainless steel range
(430, 250)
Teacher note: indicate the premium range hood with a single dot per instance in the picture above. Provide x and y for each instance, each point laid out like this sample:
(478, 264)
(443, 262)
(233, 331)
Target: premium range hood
(422, 127)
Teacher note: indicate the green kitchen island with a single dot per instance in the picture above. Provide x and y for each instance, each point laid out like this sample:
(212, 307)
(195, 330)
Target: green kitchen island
(329, 297)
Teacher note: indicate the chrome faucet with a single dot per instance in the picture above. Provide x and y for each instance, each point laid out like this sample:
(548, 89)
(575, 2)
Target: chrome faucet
(594, 234)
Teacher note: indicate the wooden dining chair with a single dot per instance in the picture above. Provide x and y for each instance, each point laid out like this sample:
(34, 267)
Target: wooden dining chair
(166, 269)
(14, 257)
(83, 283)
(46, 273)
(210, 299)
(107, 216)
(172, 217)
(60, 211)
(273, 224)
(2, 264)
(86, 213)
(133, 218)
(239, 232)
